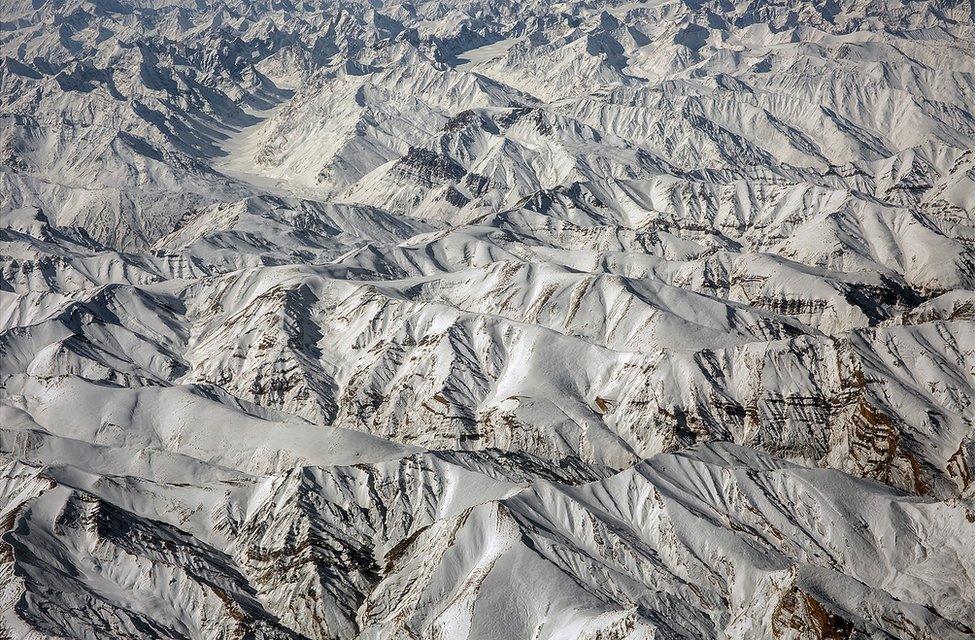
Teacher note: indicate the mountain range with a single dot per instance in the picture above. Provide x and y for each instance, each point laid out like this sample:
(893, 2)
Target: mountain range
(494, 319)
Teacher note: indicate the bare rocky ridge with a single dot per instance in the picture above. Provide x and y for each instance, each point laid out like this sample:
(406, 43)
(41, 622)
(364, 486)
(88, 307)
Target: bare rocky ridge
(486, 319)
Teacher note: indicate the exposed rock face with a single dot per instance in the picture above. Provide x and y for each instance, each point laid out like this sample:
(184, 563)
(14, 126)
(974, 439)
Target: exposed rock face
(486, 319)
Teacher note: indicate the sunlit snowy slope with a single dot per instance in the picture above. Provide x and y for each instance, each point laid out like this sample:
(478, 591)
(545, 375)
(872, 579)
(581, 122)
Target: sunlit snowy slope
(494, 319)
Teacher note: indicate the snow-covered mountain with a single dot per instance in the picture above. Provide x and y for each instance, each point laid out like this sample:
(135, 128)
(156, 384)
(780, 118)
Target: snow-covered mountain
(486, 319)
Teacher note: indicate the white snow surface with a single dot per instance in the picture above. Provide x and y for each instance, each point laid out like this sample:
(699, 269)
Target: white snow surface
(489, 319)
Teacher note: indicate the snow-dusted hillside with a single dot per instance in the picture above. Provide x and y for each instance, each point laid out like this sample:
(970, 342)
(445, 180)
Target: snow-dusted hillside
(486, 319)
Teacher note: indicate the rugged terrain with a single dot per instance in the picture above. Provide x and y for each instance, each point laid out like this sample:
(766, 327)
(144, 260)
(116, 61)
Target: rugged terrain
(486, 319)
